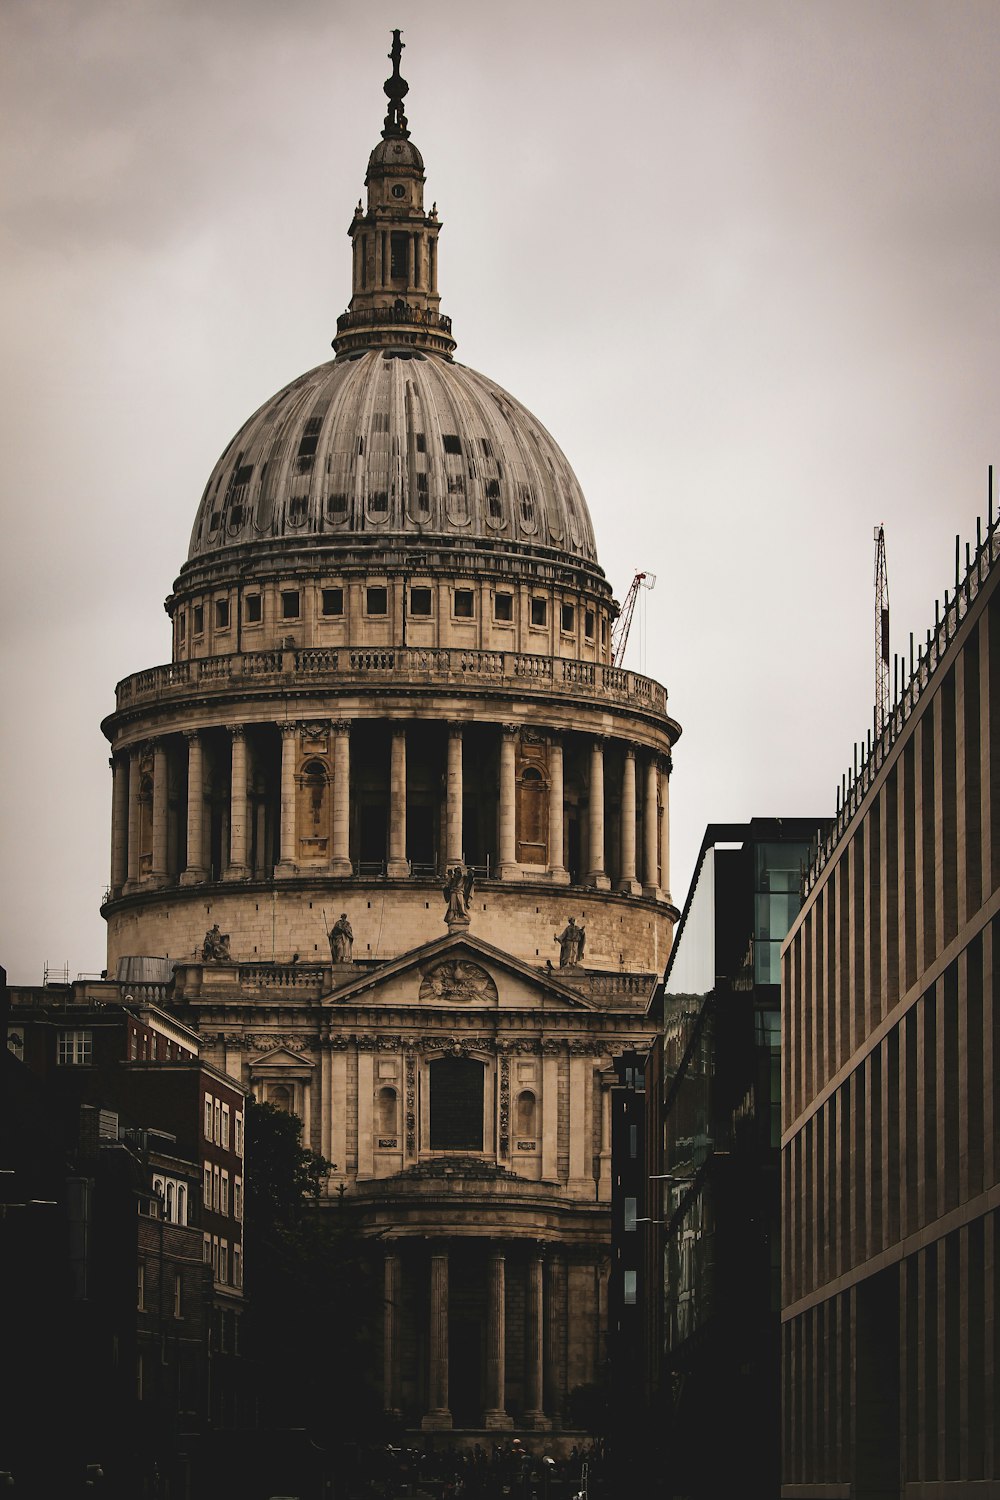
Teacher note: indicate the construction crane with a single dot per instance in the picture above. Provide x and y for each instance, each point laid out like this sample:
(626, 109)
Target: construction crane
(622, 626)
(881, 633)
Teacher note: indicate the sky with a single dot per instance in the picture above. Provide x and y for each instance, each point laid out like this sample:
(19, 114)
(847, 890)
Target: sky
(741, 258)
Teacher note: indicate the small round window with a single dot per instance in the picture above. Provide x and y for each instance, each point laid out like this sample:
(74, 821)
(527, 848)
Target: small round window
(398, 190)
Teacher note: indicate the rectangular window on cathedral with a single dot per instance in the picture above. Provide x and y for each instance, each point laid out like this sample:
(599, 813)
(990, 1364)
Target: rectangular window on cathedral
(503, 607)
(465, 604)
(588, 624)
(568, 618)
(289, 604)
(222, 614)
(400, 251)
(539, 612)
(252, 608)
(420, 601)
(457, 1092)
(198, 614)
(333, 601)
(376, 601)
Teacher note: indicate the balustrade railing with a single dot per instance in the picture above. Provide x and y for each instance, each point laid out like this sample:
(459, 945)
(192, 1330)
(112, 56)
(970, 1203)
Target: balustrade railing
(405, 664)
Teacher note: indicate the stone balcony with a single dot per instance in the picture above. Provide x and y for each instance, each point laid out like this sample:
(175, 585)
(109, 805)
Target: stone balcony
(361, 667)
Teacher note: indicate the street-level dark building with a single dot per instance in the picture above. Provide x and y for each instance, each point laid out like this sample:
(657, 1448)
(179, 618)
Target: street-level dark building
(123, 1181)
(713, 1131)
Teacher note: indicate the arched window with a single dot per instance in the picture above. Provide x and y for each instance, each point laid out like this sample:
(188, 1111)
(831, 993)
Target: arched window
(280, 1095)
(525, 1118)
(387, 1114)
(170, 1204)
(182, 1203)
(532, 817)
(457, 1092)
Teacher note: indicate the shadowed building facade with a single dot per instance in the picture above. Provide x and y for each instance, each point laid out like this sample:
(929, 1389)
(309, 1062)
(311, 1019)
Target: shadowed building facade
(891, 1046)
(391, 673)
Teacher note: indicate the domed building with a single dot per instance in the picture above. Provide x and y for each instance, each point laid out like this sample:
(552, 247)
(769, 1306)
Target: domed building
(398, 828)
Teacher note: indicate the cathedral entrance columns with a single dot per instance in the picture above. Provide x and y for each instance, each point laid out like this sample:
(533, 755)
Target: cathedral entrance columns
(534, 1338)
(508, 822)
(237, 866)
(495, 1415)
(628, 884)
(597, 876)
(341, 861)
(398, 866)
(650, 831)
(558, 873)
(555, 1336)
(390, 1343)
(454, 853)
(439, 1414)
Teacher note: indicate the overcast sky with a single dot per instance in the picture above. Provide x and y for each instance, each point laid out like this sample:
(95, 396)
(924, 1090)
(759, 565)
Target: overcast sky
(740, 258)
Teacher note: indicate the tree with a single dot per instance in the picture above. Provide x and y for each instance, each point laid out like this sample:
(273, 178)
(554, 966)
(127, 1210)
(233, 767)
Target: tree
(313, 1287)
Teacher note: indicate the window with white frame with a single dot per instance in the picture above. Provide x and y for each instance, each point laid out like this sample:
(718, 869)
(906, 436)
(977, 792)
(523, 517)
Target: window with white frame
(224, 1261)
(237, 1197)
(225, 1126)
(206, 1248)
(218, 1121)
(206, 1187)
(238, 1134)
(215, 1255)
(224, 1194)
(76, 1049)
(237, 1266)
(215, 1188)
(208, 1117)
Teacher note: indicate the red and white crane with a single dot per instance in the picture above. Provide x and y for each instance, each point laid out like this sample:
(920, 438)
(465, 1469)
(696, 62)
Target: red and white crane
(623, 624)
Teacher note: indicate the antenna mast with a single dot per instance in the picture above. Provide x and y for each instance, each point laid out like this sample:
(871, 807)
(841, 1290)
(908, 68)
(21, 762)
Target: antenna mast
(881, 633)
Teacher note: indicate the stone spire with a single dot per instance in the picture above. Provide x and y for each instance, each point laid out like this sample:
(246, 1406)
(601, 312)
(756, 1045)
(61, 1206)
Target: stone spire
(395, 301)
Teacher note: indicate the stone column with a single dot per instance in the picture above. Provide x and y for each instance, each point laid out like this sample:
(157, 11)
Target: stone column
(390, 1340)
(495, 1415)
(341, 861)
(119, 822)
(439, 1415)
(558, 873)
(158, 863)
(454, 852)
(555, 1336)
(195, 869)
(398, 866)
(508, 804)
(132, 856)
(651, 833)
(237, 867)
(597, 876)
(665, 829)
(628, 884)
(289, 747)
(534, 1415)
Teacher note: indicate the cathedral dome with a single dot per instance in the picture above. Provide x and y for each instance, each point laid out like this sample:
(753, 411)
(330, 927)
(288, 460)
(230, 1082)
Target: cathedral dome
(392, 442)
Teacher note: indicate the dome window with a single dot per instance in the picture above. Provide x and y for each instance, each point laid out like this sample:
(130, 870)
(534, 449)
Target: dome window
(237, 515)
(198, 620)
(588, 624)
(503, 608)
(423, 499)
(376, 601)
(420, 601)
(307, 445)
(487, 447)
(465, 604)
(222, 614)
(399, 249)
(252, 609)
(181, 625)
(379, 502)
(333, 602)
(527, 505)
(420, 442)
(539, 611)
(298, 507)
(289, 604)
(568, 618)
(452, 442)
(336, 506)
(494, 504)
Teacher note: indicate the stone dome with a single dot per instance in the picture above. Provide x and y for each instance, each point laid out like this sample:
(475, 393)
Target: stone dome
(393, 442)
(395, 154)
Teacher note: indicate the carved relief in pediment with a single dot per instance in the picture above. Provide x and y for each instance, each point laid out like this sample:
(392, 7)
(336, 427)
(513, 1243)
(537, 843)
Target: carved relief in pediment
(456, 979)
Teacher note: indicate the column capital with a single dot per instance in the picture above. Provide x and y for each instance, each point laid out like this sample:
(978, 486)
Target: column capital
(599, 742)
(628, 750)
(340, 726)
(288, 728)
(455, 729)
(192, 735)
(510, 731)
(153, 745)
(237, 730)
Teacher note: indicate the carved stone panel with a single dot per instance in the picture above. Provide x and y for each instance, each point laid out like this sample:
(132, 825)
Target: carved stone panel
(455, 979)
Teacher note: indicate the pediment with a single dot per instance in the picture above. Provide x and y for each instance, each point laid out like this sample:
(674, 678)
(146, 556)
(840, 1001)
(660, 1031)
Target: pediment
(462, 972)
(277, 1057)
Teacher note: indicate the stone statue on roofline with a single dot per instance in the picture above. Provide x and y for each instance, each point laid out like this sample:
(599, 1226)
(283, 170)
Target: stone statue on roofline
(215, 948)
(572, 941)
(342, 940)
(458, 892)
